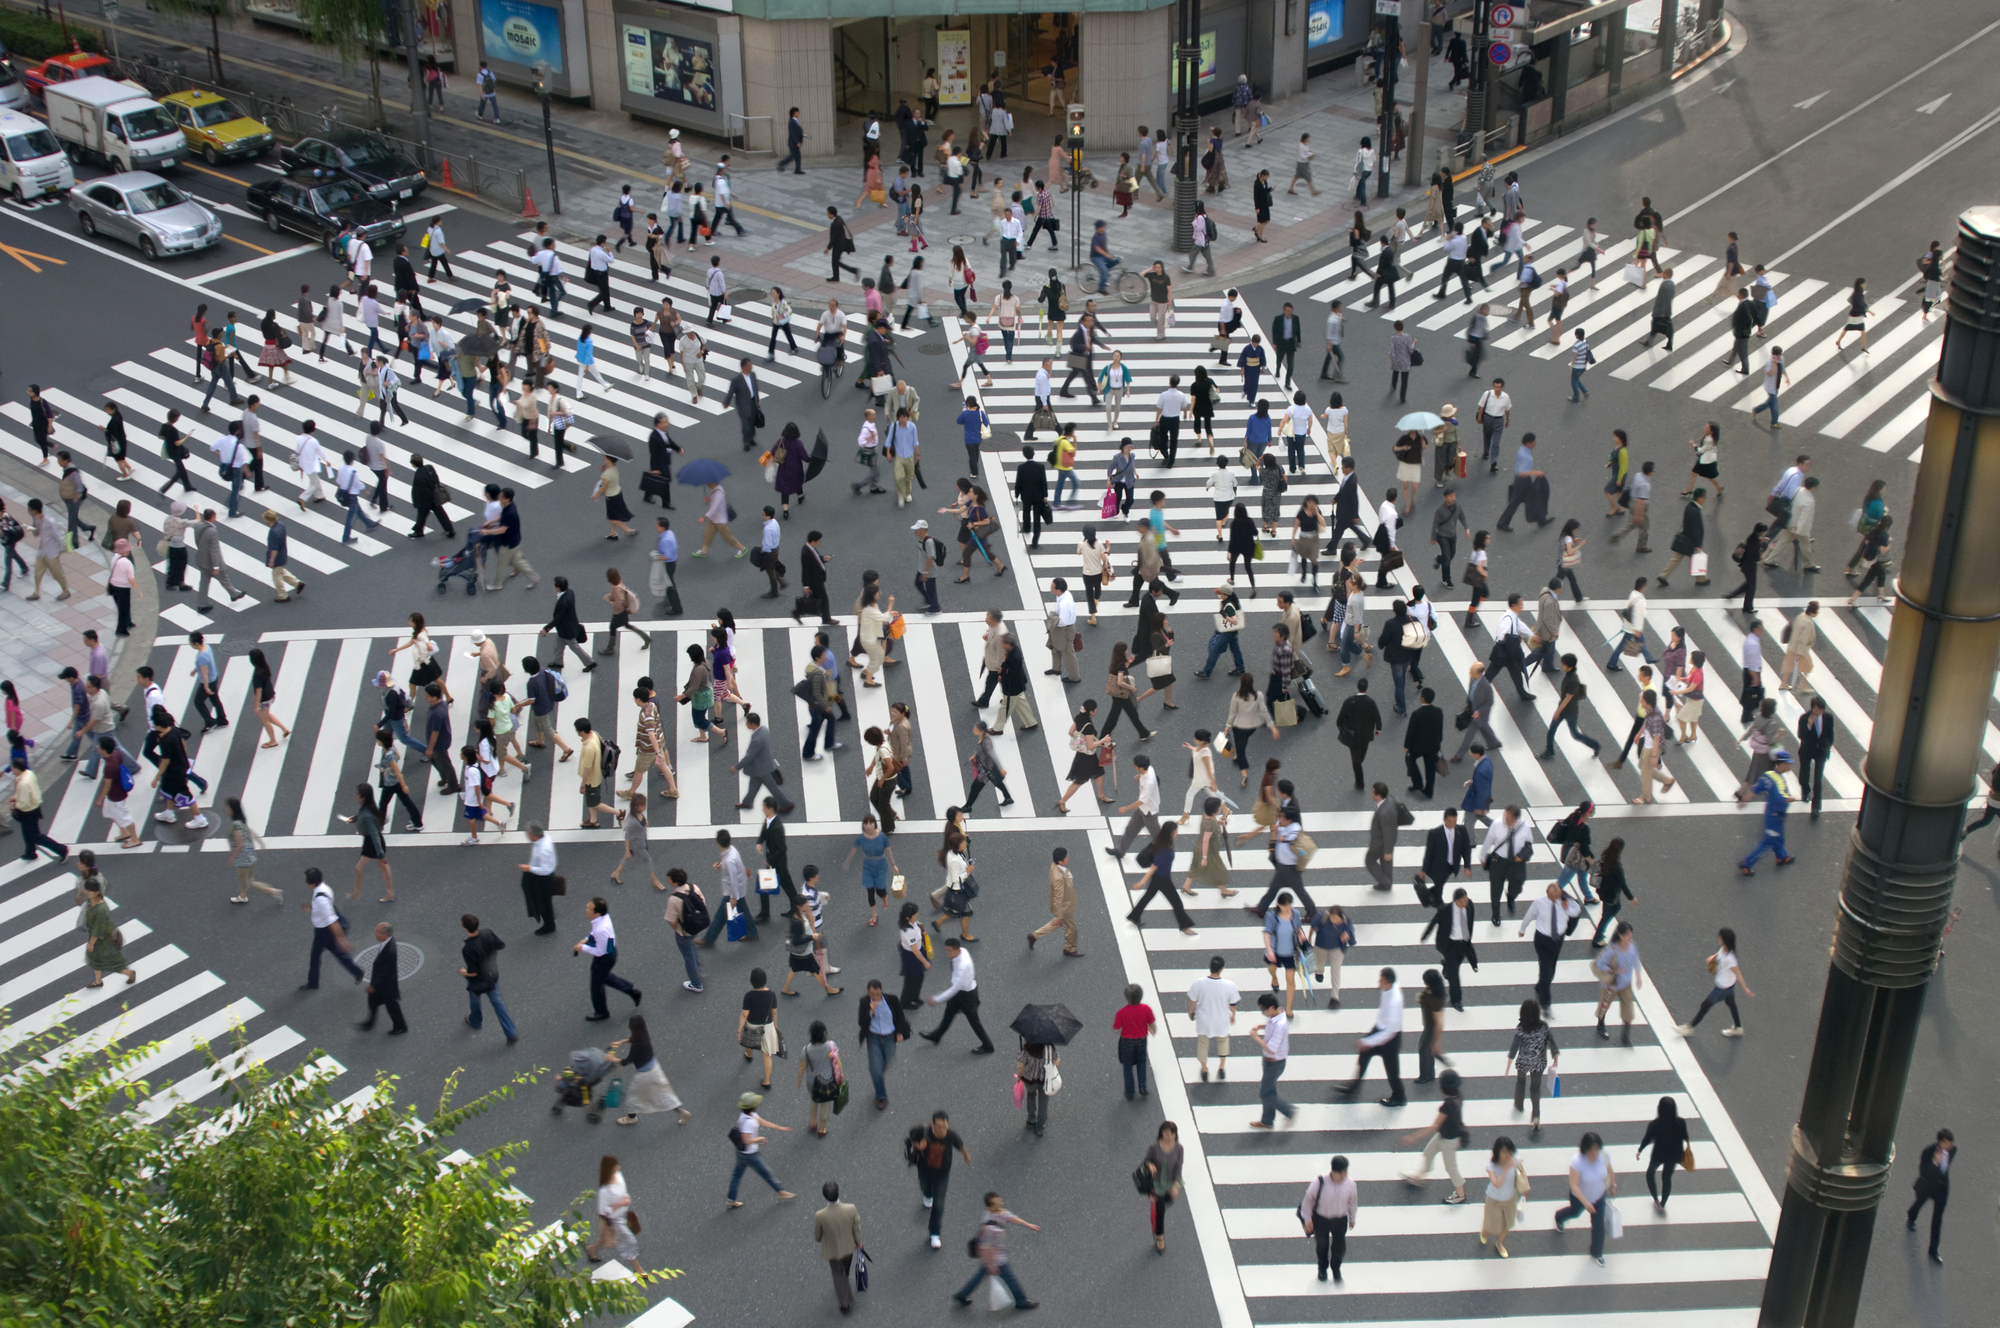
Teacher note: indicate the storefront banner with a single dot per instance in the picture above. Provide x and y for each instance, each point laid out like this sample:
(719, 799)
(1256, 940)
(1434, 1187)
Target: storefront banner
(954, 68)
(1326, 20)
(521, 33)
(1205, 74)
(669, 68)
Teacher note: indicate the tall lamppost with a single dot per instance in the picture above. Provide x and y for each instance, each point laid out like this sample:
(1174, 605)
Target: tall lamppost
(542, 75)
(1187, 121)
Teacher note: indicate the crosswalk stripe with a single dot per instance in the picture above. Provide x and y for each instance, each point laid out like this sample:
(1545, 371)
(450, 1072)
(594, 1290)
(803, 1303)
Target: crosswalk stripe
(1364, 1113)
(216, 1025)
(1006, 744)
(63, 965)
(1440, 1276)
(1361, 977)
(920, 657)
(1778, 330)
(751, 685)
(1900, 426)
(1355, 1017)
(1920, 363)
(1745, 1317)
(1465, 1219)
(148, 966)
(196, 1086)
(1703, 358)
(1858, 369)
(232, 689)
(260, 790)
(1364, 1167)
(691, 760)
(1367, 934)
(818, 780)
(1307, 1067)
(336, 710)
(132, 1018)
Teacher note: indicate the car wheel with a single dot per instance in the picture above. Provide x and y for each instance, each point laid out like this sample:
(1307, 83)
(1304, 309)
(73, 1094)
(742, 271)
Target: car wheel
(20, 195)
(271, 221)
(148, 248)
(214, 158)
(89, 226)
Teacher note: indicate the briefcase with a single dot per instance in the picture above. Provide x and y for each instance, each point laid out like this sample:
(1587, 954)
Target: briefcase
(558, 885)
(654, 485)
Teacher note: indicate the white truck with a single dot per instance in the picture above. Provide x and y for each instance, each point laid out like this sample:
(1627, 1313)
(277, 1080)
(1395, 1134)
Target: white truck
(116, 121)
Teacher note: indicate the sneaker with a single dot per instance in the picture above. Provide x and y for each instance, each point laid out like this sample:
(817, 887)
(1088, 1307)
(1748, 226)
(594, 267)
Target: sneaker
(937, 1242)
(1732, 1032)
(1685, 1030)
(689, 986)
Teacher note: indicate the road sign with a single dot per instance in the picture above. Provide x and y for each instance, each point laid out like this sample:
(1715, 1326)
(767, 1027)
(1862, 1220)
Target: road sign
(1500, 53)
(1391, 8)
(1501, 16)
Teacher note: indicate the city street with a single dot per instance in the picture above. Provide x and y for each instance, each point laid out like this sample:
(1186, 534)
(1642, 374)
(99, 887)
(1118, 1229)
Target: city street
(1833, 156)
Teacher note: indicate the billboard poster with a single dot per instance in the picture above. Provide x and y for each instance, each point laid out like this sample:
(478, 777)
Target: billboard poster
(669, 68)
(1326, 20)
(1205, 74)
(954, 68)
(521, 33)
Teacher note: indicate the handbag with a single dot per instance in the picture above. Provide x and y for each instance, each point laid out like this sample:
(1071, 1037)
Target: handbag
(1393, 561)
(1285, 713)
(881, 385)
(840, 1097)
(1051, 1077)
(1416, 358)
(723, 311)
(1687, 1157)
(1634, 275)
(1159, 666)
(751, 1036)
(1142, 1178)
(558, 886)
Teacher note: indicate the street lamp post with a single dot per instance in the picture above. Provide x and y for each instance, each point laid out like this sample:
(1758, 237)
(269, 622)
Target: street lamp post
(542, 75)
(1392, 60)
(1903, 854)
(419, 102)
(1187, 121)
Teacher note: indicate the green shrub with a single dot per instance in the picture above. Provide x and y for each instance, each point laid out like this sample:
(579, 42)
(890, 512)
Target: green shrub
(29, 38)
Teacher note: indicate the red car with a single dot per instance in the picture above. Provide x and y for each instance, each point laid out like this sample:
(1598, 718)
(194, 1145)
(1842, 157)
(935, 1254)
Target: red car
(62, 69)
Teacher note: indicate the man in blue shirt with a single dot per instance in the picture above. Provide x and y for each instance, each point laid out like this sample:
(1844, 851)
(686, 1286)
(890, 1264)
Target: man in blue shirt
(437, 739)
(767, 553)
(666, 554)
(79, 711)
(545, 688)
(1477, 804)
(207, 700)
(505, 532)
(277, 553)
(1776, 787)
(1526, 478)
(904, 453)
(972, 419)
(1101, 259)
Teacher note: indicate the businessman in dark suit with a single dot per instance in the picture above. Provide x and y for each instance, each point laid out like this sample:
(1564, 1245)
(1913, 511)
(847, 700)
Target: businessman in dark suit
(1453, 924)
(1346, 508)
(1423, 742)
(1934, 1185)
(757, 765)
(771, 843)
(385, 990)
(1815, 745)
(1447, 852)
(567, 626)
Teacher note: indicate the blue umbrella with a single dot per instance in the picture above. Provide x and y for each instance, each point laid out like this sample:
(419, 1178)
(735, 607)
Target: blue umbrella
(1420, 419)
(704, 471)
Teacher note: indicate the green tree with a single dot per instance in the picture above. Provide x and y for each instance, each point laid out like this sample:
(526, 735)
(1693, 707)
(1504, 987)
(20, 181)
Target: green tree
(354, 28)
(279, 1206)
(212, 10)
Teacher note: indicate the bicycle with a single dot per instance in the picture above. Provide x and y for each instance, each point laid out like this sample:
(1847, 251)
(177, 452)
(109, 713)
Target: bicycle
(1130, 286)
(832, 356)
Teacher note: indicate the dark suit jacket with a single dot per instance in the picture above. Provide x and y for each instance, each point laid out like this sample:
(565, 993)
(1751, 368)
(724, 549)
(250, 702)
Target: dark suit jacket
(563, 620)
(812, 569)
(1692, 530)
(1031, 482)
(1424, 735)
(1359, 720)
(772, 838)
(1346, 503)
(1929, 1178)
(895, 1012)
(742, 395)
(1816, 740)
(795, 133)
(1446, 851)
(382, 973)
(406, 273)
(1441, 923)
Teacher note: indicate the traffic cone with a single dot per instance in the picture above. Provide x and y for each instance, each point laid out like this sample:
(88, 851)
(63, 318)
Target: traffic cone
(530, 210)
(445, 180)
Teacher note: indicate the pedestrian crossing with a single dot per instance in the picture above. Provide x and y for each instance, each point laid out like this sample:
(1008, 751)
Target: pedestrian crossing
(1878, 397)
(469, 449)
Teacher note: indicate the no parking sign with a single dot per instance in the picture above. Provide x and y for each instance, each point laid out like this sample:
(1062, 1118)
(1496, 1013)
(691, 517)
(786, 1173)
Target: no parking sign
(1500, 53)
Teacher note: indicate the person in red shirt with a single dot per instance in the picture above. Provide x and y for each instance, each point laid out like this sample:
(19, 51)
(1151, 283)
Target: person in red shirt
(1133, 1022)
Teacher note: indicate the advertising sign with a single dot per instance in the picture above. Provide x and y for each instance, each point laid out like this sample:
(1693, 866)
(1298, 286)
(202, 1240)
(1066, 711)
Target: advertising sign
(954, 65)
(521, 33)
(669, 68)
(1326, 20)
(1205, 73)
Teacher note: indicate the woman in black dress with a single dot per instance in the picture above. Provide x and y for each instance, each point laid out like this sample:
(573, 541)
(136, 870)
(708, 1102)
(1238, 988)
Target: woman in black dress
(1202, 389)
(1083, 765)
(1243, 544)
(115, 442)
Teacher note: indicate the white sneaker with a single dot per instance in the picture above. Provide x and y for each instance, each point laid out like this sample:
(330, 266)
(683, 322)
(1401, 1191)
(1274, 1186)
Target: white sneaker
(1685, 1030)
(937, 1243)
(469, 839)
(1732, 1032)
(927, 1201)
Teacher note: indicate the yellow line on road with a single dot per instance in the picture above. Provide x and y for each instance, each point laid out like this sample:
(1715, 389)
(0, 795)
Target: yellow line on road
(246, 244)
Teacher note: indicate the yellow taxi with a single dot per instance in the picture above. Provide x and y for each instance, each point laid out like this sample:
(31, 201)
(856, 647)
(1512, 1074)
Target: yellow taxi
(215, 128)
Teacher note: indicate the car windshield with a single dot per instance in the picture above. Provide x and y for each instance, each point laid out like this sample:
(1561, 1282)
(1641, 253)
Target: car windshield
(7, 78)
(154, 197)
(215, 113)
(32, 146)
(367, 152)
(340, 193)
(148, 122)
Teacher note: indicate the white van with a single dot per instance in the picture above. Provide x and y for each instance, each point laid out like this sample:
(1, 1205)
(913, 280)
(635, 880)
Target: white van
(115, 121)
(32, 163)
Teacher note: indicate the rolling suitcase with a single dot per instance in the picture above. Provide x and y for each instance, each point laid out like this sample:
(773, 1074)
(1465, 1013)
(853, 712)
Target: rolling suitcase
(1309, 696)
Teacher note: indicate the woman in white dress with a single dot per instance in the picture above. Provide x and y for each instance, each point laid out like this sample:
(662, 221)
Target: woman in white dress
(648, 1090)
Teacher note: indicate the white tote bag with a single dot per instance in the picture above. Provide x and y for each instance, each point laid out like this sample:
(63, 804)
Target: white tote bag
(1614, 1221)
(725, 312)
(1698, 564)
(1635, 275)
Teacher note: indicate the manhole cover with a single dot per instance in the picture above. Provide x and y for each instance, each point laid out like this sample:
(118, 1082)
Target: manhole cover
(961, 240)
(408, 958)
(931, 350)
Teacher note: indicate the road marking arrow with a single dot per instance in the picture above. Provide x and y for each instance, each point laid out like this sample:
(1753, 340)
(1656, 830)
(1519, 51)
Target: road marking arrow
(1721, 88)
(1930, 107)
(1808, 102)
(25, 257)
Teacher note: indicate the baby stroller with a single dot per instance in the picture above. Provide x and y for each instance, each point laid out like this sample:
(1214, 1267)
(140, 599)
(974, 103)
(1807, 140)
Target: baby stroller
(463, 564)
(577, 1086)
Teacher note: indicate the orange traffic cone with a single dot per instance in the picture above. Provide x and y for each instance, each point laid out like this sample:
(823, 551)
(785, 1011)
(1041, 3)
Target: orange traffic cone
(445, 179)
(530, 210)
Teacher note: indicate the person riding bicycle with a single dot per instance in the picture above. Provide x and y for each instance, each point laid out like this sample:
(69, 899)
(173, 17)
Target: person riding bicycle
(1101, 259)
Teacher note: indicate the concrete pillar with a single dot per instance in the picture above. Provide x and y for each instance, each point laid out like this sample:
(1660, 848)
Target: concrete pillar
(1126, 68)
(1614, 53)
(1670, 24)
(1275, 60)
(1559, 81)
(787, 63)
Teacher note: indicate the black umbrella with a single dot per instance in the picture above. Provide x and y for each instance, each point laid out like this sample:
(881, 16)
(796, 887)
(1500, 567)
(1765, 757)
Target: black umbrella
(1046, 1025)
(612, 447)
(479, 343)
(918, 471)
(816, 461)
(468, 305)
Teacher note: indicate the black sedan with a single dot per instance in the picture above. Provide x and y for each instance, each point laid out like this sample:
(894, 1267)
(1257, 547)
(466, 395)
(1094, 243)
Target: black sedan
(352, 155)
(323, 208)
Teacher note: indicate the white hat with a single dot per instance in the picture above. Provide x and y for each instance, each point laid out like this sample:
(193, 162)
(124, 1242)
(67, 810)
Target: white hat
(673, 133)
(921, 524)
(479, 638)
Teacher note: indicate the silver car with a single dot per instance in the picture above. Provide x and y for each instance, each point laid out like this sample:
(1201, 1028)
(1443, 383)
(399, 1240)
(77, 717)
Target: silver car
(145, 210)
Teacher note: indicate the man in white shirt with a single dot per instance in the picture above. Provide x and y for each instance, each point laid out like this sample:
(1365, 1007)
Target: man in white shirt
(602, 947)
(1212, 1005)
(1509, 844)
(1496, 411)
(1144, 809)
(597, 265)
(348, 483)
(1274, 1039)
(960, 998)
(1385, 1040)
(1634, 615)
(725, 200)
(307, 459)
(329, 932)
(360, 261)
(1510, 642)
(1010, 240)
(234, 457)
(1228, 317)
(1167, 412)
(1364, 166)
(253, 437)
(1042, 390)
(1336, 358)
(1454, 264)
(1062, 633)
(1550, 918)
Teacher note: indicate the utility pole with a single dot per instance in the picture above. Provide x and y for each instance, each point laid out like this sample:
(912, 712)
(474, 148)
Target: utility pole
(1478, 101)
(544, 72)
(418, 103)
(1392, 60)
(1902, 858)
(1187, 121)
(1413, 155)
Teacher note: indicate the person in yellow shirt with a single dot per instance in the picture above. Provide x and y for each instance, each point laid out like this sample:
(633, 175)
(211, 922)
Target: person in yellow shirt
(1065, 468)
(27, 807)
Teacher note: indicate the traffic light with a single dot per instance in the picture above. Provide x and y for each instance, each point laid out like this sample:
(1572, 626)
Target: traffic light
(1073, 138)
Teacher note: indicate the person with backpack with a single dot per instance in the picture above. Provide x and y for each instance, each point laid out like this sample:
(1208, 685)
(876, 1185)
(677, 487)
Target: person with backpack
(687, 917)
(489, 92)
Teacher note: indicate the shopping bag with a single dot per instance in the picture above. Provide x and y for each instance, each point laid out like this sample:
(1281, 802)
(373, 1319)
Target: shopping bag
(725, 312)
(1698, 564)
(1634, 275)
(1020, 1094)
(1555, 1085)
(897, 887)
(1109, 507)
(1285, 713)
(1614, 1221)
(998, 1297)
(739, 923)
(767, 880)
(880, 384)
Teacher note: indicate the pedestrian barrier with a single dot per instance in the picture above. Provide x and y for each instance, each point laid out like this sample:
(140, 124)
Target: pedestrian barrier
(504, 186)
(736, 129)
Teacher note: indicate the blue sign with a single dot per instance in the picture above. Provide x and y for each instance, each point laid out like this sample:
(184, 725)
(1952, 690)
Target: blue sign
(1326, 20)
(520, 33)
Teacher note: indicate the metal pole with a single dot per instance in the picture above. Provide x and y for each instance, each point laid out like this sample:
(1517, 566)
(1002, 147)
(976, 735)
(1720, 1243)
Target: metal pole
(1187, 123)
(1413, 155)
(418, 104)
(1392, 59)
(1478, 100)
(1902, 857)
(549, 138)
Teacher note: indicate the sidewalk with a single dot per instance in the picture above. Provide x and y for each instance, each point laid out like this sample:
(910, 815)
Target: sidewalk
(784, 214)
